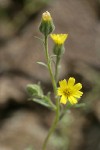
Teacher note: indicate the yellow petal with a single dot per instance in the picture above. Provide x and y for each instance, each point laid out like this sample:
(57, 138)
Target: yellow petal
(59, 91)
(78, 86)
(72, 100)
(71, 81)
(78, 94)
(63, 83)
(63, 100)
(59, 38)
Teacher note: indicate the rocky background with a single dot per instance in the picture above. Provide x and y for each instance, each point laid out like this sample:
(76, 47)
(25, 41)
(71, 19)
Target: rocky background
(24, 124)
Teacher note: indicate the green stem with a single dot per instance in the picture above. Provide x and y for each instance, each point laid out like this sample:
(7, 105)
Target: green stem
(52, 127)
(55, 92)
(57, 68)
(50, 102)
(49, 66)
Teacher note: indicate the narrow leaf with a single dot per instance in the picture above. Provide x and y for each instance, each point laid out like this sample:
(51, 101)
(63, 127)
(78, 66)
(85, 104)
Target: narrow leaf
(53, 56)
(80, 105)
(42, 63)
(39, 38)
(40, 101)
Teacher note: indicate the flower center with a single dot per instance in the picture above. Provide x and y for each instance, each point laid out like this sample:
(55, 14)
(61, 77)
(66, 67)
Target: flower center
(67, 92)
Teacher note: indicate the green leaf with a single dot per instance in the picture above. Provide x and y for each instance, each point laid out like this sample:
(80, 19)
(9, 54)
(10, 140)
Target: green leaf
(43, 64)
(42, 102)
(80, 105)
(37, 96)
(48, 94)
(53, 56)
(48, 100)
(39, 39)
(45, 101)
(34, 90)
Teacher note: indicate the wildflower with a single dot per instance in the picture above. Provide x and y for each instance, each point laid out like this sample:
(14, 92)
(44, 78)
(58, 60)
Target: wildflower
(46, 25)
(59, 38)
(69, 91)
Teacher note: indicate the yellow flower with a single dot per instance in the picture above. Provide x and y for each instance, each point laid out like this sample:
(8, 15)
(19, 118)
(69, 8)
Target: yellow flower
(69, 91)
(46, 16)
(59, 38)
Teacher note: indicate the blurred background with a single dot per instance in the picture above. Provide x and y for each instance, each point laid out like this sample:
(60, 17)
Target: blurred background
(24, 124)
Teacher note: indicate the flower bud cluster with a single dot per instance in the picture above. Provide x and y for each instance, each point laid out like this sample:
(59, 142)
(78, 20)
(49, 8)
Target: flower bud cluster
(47, 27)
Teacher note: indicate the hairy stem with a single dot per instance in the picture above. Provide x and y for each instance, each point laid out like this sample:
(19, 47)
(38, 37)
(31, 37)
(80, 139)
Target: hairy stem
(49, 66)
(57, 68)
(52, 127)
(56, 98)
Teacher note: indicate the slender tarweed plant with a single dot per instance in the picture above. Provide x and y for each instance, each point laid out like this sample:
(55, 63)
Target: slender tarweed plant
(66, 92)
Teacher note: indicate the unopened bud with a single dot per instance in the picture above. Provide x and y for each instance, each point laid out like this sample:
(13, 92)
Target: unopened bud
(46, 26)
